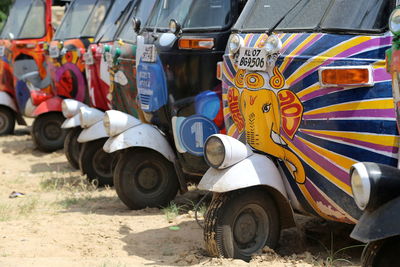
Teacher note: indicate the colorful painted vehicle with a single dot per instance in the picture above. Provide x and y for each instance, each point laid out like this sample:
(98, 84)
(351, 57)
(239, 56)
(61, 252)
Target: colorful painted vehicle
(180, 99)
(65, 64)
(98, 79)
(22, 65)
(306, 95)
(376, 186)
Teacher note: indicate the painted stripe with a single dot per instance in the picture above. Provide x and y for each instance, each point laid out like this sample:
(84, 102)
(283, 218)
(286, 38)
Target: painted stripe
(365, 105)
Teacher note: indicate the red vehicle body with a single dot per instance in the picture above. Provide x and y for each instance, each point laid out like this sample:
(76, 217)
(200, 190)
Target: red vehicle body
(66, 66)
(25, 79)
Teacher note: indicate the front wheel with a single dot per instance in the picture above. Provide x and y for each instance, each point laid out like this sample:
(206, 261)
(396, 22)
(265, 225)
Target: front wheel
(96, 163)
(383, 252)
(7, 121)
(72, 147)
(144, 178)
(47, 133)
(240, 223)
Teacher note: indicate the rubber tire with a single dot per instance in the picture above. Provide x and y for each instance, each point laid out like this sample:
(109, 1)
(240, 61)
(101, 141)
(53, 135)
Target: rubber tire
(8, 116)
(39, 137)
(87, 162)
(381, 253)
(129, 191)
(220, 216)
(72, 147)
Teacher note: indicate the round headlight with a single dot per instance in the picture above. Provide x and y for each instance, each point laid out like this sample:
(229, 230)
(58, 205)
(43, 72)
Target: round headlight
(172, 26)
(273, 44)
(360, 185)
(394, 21)
(235, 41)
(106, 123)
(214, 151)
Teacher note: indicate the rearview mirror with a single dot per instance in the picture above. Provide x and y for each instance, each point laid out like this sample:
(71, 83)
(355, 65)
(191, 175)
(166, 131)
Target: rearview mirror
(136, 25)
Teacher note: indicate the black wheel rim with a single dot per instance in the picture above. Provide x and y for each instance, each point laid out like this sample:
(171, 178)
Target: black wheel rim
(3, 122)
(148, 178)
(102, 163)
(251, 228)
(52, 131)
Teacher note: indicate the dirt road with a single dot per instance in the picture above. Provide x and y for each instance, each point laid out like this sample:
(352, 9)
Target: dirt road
(63, 221)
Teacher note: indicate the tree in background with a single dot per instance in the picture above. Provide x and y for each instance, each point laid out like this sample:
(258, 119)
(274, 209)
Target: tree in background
(4, 7)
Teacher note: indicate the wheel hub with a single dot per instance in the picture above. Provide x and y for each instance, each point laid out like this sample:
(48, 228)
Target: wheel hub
(52, 131)
(148, 178)
(102, 162)
(3, 121)
(245, 228)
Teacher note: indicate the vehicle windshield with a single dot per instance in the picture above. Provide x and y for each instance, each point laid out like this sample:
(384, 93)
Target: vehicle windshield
(316, 15)
(83, 19)
(26, 21)
(192, 14)
(141, 11)
(114, 18)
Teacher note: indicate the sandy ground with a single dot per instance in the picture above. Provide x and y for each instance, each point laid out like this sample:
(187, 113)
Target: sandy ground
(63, 221)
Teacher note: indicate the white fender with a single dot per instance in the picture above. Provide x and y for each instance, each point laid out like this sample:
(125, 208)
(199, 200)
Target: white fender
(94, 132)
(6, 100)
(142, 135)
(70, 107)
(90, 116)
(254, 170)
(72, 122)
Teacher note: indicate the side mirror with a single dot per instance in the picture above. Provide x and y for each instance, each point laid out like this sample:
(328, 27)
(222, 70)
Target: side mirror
(136, 25)
(174, 27)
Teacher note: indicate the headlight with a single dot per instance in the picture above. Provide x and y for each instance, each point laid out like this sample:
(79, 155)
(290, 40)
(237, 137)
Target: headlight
(273, 44)
(374, 184)
(235, 42)
(90, 116)
(394, 21)
(174, 26)
(116, 122)
(222, 151)
(70, 107)
(360, 185)
(214, 152)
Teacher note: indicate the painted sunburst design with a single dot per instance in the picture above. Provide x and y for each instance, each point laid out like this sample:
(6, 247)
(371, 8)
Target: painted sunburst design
(339, 126)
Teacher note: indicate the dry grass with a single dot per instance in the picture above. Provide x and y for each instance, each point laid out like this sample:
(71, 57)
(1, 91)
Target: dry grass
(18, 208)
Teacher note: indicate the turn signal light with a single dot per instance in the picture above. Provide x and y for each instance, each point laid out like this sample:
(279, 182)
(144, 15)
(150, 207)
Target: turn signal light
(196, 43)
(219, 71)
(346, 76)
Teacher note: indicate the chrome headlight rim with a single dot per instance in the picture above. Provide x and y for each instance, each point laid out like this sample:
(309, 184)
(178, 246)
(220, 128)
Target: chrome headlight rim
(394, 21)
(207, 152)
(273, 44)
(234, 43)
(360, 185)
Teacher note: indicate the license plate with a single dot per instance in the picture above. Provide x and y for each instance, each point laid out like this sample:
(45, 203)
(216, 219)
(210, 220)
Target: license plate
(149, 53)
(2, 50)
(54, 51)
(88, 57)
(252, 59)
(109, 59)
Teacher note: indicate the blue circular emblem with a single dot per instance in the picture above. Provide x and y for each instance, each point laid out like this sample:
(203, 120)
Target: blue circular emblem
(194, 132)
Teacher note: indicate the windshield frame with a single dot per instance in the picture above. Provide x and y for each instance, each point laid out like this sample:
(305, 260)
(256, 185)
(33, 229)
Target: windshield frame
(249, 8)
(55, 38)
(157, 28)
(17, 35)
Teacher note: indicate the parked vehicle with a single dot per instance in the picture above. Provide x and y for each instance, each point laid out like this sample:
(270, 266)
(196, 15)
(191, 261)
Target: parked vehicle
(120, 57)
(306, 96)
(376, 187)
(24, 78)
(98, 78)
(179, 96)
(65, 64)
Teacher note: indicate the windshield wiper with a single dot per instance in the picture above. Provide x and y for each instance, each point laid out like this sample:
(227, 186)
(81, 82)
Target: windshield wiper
(282, 18)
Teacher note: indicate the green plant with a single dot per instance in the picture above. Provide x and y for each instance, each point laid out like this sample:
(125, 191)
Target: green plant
(335, 256)
(172, 211)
